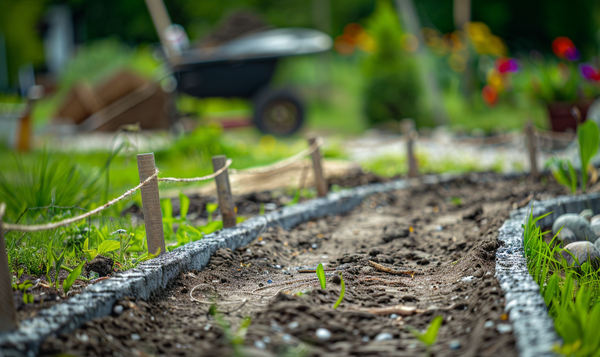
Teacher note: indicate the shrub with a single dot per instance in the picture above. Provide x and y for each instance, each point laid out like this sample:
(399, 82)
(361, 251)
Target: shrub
(393, 90)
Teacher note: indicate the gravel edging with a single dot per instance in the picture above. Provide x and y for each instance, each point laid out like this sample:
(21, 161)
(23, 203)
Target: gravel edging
(152, 277)
(533, 327)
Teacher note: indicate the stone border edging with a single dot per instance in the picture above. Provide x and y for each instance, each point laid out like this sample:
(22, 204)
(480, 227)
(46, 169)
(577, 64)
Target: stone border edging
(151, 277)
(533, 327)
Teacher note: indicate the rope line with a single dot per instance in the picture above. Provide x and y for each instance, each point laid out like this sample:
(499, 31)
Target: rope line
(260, 170)
(283, 163)
(65, 222)
(195, 179)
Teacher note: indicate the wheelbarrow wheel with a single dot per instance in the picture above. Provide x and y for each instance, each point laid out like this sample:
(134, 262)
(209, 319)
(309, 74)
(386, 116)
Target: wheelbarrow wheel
(278, 112)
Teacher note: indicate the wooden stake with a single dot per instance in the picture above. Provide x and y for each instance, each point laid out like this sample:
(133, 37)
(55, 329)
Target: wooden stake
(320, 181)
(408, 128)
(530, 134)
(8, 314)
(151, 204)
(224, 192)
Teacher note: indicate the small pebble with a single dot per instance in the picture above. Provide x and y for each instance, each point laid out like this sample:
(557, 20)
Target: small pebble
(207, 327)
(384, 336)
(323, 334)
(266, 339)
(365, 339)
(504, 328)
(277, 266)
(439, 228)
(259, 344)
(489, 324)
(118, 310)
(336, 279)
(314, 246)
(135, 336)
(292, 325)
(286, 337)
(454, 345)
(467, 279)
(393, 316)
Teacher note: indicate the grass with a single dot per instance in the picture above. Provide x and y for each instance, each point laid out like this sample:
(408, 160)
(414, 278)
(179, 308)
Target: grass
(572, 294)
(393, 165)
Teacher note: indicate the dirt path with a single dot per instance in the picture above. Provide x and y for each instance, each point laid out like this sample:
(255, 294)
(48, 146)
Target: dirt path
(445, 234)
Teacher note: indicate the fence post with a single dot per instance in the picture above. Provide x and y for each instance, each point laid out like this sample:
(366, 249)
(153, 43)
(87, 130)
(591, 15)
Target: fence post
(321, 183)
(8, 315)
(224, 192)
(408, 128)
(530, 139)
(155, 235)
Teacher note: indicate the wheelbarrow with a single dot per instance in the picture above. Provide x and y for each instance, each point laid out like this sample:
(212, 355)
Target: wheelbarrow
(241, 68)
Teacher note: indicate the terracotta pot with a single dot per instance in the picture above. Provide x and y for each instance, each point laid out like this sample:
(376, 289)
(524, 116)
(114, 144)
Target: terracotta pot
(560, 115)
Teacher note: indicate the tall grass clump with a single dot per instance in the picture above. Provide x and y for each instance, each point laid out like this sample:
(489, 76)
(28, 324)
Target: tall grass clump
(572, 293)
(46, 187)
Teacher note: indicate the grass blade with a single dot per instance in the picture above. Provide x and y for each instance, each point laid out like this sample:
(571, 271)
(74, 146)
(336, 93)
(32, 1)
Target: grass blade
(339, 301)
(321, 275)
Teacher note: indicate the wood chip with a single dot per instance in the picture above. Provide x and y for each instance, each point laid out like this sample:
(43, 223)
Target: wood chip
(380, 267)
(401, 310)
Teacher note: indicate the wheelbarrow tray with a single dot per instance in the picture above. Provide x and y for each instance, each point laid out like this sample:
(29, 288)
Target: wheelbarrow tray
(225, 78)
(240, 68)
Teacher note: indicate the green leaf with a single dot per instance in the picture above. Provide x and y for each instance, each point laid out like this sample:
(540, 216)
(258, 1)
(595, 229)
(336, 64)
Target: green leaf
(73, 275)
(321, 275)
(429, 337)
(148, 256)
(339, 301)
(28, 298)
(240, 334)
(211, 207)
(108, 246)
(184, 205)
(588, 136)
(211, 227)
(166, 207)
(294, 200)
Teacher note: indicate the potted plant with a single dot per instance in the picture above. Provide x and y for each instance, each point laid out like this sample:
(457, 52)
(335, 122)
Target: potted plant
(563, 84)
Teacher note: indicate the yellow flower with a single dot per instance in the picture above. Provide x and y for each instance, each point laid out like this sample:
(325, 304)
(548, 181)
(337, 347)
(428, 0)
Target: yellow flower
(494, 79)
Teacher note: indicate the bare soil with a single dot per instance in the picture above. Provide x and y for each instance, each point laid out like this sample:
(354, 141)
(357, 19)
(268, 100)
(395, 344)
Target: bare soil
(443, 236)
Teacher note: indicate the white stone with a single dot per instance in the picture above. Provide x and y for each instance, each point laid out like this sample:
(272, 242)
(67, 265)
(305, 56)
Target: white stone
(323, 334)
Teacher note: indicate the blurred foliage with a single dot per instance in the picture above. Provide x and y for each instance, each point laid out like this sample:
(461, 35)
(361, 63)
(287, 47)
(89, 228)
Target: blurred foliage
(525, 25)
(393, 90)
(551, 81)
(19, 22)
(98, 60)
